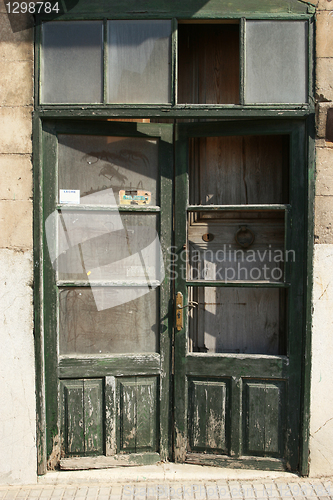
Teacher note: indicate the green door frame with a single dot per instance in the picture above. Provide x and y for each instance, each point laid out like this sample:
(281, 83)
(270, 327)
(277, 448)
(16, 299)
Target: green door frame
(200, 10)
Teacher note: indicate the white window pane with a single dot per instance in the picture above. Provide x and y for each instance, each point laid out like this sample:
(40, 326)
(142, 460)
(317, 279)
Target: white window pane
(72, 62)
(276, 62)
(139, 61)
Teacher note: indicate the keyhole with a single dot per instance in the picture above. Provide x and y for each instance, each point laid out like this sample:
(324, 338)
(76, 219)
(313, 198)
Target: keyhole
(208, 237)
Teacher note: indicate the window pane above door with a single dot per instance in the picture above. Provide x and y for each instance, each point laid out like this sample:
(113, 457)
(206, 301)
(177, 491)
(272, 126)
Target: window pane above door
(139, 62)
(72, 62)
(276, 62)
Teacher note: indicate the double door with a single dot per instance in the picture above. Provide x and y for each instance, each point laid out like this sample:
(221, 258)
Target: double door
(173, 287)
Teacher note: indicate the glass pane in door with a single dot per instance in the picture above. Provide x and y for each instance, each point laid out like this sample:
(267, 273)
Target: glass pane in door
(237, 320)
(231, 246)
(108, 170)
(237, 170)
(108, 320)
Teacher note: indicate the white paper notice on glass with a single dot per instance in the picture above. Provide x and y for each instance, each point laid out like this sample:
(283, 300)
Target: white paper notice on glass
(71, 196)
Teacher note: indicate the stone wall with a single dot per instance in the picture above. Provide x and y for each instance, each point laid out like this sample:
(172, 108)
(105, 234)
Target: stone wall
(321, 423)
(17, 370)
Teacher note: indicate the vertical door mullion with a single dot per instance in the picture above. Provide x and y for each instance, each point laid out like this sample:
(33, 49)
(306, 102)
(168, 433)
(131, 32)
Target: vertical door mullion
(242, 55)
(174, 62)
(105, 61)
(180, 386)
(166, 204)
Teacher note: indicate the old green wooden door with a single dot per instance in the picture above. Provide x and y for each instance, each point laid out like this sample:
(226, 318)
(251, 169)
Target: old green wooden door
(107, 201)
(239, 268)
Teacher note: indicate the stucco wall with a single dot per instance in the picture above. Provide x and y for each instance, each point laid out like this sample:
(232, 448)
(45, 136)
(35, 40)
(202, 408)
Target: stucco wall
(321, 423)
(17, 371)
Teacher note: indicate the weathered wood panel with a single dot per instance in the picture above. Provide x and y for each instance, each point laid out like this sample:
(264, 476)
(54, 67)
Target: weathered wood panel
(207, 416)
(131, 460)
(82, 417)
(208, 63)
(73, 421)
(238, 320)
(137, 414)
(239, 170)
(93, 417)
(263, 418)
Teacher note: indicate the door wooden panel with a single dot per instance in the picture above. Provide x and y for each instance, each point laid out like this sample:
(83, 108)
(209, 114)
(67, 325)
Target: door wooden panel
(82, 420)
(263, 414)
(137, 413)
(208, 410)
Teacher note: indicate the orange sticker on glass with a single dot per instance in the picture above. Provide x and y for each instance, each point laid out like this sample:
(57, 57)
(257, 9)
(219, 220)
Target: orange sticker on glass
(134, 197)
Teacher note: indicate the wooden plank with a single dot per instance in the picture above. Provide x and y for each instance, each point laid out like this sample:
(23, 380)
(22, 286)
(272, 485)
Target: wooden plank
(93, 416)
(254, 463)
(207, 416)
(110, 416)
(263, 424)
(122, 365)
(102, 462)
(73, 417)
(237, 365)
(262, 207)
(108, 208)
(137, 410)
(179, 111)
(208, 58)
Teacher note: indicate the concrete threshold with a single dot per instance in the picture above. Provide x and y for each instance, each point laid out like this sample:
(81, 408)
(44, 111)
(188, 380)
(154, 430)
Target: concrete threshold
(163, 472)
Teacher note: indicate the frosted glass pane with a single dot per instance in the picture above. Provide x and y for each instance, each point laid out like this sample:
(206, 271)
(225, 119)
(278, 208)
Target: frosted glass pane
(276, 62)
(72, 62)
(129, 325)
(139, 61)
(107, 170)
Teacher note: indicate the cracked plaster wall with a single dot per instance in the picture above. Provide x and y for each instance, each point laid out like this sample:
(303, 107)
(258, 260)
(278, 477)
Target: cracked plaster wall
(18, 460)
(321, 420)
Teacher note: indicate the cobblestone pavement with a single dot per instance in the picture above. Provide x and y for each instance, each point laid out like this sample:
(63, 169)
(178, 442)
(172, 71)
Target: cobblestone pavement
(266, 489)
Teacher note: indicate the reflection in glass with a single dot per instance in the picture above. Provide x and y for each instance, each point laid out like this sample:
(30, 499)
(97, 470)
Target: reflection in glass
(130, 327)
(106, 246)
(72, 62)
(139, 61)
(109, 170)
(237, 320)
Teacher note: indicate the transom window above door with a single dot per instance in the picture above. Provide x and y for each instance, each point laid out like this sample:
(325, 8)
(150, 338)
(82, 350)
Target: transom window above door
(164, 62)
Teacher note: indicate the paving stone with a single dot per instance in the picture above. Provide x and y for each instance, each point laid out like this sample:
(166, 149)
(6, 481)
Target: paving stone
(235, 489)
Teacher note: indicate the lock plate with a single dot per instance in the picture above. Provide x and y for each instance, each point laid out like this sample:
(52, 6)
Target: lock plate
(179, 311)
